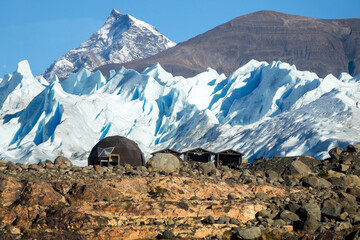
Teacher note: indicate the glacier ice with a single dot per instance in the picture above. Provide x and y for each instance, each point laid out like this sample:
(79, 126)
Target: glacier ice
(261, 110)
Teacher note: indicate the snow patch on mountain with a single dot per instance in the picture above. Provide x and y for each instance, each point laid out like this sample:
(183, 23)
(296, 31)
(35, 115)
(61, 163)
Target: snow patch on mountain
(123, 38)
(261, 110)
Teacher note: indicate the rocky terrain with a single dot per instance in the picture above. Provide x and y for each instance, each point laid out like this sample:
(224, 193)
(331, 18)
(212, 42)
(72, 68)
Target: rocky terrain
(279, 198)
(322, 46)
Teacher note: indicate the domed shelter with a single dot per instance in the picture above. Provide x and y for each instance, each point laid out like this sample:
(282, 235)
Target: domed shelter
(116, 150)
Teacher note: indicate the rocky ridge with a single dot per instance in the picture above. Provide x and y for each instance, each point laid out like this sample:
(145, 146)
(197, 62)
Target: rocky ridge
(322, 46)
(279, 198)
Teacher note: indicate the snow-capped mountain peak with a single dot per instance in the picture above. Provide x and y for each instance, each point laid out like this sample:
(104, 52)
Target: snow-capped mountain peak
(122, 38)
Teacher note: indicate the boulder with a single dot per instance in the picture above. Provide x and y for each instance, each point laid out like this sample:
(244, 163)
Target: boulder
(288, 216)
(207, 167)
(10, 191)
(351, 180)
(335, 153)
(209, 220)
(353, 148)
(331, 208)
(298, 169)
(272, 175)
(60, 160)
(249, 233)
(164, 162)
(310, 224)
(315, 182)
(309, 209)
(41, 193)
(11, 166)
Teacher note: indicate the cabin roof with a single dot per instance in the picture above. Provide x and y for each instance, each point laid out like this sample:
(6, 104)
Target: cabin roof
(230, 152)
(167, 150)
(198, 150)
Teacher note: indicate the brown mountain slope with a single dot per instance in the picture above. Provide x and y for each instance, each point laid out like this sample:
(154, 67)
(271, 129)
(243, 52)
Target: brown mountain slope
(319, 45)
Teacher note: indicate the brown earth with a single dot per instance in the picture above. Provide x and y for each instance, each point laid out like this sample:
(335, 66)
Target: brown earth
(280, 198)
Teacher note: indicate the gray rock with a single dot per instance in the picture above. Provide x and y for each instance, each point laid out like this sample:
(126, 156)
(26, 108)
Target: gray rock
(315, 182)
(298, 169)
(353, 148)
(309, 209)
(60, 160)
(261, 196)
(335, 153)
(249, 233)
(207, 167)
(223, 220)
(164, 162)
(11, 166)
(288, 216)
(310, 224)
(278, 223)
(291, 181)
(231, 197)
(272, 176)
(167, 234)
(234, 221)
(209, 220)
(351, 180)
(331, 211)
(34, 167)
(265, 213)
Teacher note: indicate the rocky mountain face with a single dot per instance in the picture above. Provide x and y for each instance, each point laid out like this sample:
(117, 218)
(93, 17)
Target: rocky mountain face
(123, 38)
(280, 198)
(318, 45)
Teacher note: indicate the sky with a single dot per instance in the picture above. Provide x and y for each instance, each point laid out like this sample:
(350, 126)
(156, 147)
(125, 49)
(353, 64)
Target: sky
(43, 30)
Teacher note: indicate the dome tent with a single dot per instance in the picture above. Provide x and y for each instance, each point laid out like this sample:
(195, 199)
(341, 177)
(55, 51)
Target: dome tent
(128, 150)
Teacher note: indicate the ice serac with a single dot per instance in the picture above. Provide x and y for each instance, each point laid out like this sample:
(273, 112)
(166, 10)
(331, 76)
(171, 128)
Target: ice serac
(122, 38)
(262, 109)
(18, 89)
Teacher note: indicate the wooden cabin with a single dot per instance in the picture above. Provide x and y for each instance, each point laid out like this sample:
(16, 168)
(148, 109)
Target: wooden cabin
(229, 157)
(198, 155)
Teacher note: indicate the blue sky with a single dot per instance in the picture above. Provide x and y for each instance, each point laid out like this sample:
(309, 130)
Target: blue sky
(43, 30)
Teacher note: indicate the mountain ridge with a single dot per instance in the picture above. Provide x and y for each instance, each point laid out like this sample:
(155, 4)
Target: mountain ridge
(323, 46)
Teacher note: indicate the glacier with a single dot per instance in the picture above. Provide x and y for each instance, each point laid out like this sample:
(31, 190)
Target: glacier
(262, 109)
